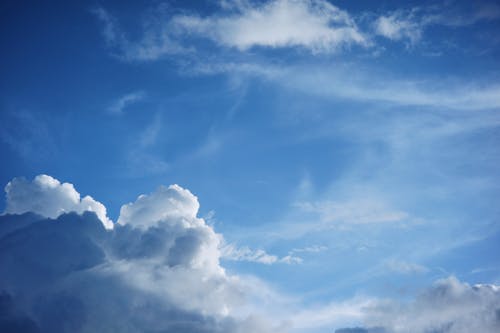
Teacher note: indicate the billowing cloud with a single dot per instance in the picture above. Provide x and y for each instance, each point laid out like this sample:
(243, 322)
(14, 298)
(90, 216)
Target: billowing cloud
(448, 306)
(48, 197)
(156, 270)
(316, 25)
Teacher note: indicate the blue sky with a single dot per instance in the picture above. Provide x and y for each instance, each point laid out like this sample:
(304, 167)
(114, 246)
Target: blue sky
(346, 152)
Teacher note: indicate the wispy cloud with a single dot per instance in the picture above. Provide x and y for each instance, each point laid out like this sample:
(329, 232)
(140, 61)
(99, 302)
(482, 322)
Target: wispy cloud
(119, 105)
(316, 25)
(352, 212)
(310, 249)
(396, 27)
(410, 24)
(155, 42)
(404, 267)
(232, 252)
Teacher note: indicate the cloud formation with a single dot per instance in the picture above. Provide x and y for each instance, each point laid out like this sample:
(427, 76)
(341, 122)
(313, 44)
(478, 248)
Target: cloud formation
(397, 27)
(448, 306)
(157, 270)
(48, 197)
(315, 25)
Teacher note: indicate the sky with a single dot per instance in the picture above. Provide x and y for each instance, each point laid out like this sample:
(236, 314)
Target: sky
(250, 166)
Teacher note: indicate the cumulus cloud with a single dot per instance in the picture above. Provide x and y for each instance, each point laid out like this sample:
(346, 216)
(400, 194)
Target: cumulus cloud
(48, 197)
(156, 270)
(316, 25)
(449, 306)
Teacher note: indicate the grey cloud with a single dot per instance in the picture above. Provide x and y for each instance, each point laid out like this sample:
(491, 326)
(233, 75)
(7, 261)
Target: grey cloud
(447, 306)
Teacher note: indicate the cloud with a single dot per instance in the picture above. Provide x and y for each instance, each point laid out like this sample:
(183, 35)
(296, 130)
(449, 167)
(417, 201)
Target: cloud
(231, 252)
(118, 106)
(347, 82)
(352, 212)
(315, 25)
(156, 270)
(447, 306)
(404, 267)
(310, 249)
(396, 27)
(410, 24)
(48, 197)
(159, 270)
(154, 43)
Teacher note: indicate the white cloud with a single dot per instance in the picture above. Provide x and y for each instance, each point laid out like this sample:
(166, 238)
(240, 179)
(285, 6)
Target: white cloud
(172, 202)
(316, 25)
(397, 27)
(410, 24)
(118, 106)
(176, 209)
(404, 267)
(310, 249)
(48, 197)
(231, 252)
(344, 81)
(352, 212)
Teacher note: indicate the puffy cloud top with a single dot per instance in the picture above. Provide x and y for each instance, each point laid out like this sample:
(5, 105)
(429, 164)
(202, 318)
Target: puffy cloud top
(48, 197)
(171, 203)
